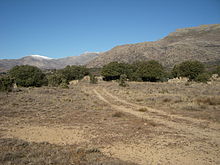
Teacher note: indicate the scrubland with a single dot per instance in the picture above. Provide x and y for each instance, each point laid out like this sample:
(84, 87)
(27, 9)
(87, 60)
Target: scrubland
(143, 123)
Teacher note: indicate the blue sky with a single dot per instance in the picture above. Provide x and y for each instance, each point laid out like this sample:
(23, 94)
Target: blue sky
(60, 28)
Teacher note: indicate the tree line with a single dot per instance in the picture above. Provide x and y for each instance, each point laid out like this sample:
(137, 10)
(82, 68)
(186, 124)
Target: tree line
(152, 71)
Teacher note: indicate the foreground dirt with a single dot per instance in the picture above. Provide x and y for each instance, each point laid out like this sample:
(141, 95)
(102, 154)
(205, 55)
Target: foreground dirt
(145, 123)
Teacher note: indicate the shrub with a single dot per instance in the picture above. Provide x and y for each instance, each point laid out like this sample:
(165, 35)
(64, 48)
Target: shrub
(122, 80)
(73, 72)
(143, 109)
(218, 70)
(113, 70)
(203, 77)
(26, 76)
(64, 84)
(176, 71)
(190, 69)
(54, 79)
(117, 114)
(149, 71)
(6, 83)
(93, 79)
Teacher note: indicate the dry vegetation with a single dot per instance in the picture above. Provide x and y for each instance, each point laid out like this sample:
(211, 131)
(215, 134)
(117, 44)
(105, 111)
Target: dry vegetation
(144, 123)
(198, 100)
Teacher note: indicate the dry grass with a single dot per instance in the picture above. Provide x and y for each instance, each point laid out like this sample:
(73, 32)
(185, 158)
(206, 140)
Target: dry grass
(19, 152)
(196, 100)
(209, 100)
(102, 124)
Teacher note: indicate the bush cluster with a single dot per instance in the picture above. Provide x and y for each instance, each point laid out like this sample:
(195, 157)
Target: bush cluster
(190, 69)
(149, 71)
(73, 72)
(26, 76)
(114, 70)
(139, 71)
(153, 71)
(63, 76)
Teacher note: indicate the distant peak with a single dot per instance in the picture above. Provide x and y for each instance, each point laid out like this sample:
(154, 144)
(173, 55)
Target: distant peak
(39, 56)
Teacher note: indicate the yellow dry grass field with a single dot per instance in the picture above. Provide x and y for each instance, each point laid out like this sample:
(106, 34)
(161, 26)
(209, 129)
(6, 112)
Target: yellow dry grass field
(144, 123)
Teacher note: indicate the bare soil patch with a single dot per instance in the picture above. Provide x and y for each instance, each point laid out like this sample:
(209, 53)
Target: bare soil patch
(54, 135)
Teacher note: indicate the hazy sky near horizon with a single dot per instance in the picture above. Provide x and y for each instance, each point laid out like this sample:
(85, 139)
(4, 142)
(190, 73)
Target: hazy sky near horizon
(60, 28)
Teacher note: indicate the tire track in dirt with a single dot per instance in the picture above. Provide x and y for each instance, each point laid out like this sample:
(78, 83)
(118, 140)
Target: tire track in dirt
(160, 112)
(123, 106)
(180, 141)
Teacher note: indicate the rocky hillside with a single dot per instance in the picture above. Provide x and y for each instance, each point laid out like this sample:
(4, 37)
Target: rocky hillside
(197, 43)
(47, 63)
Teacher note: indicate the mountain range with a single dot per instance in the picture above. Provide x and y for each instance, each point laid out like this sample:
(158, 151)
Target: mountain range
(46, 62)
(200, 43)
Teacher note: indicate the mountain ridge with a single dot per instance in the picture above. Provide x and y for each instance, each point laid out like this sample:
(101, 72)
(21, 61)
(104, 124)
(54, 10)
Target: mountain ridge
(44, 62)
(194, 43)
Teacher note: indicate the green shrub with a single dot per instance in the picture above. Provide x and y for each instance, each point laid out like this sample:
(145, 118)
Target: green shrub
(113, 70)
(190, 69)
(218, 70)
(26, 76)
(149, 71)
(73, 72)
(54, 79)
(203, 77)
(176, 71)
(122, 80)
(93, 79)
(64, 84)
(6, 83)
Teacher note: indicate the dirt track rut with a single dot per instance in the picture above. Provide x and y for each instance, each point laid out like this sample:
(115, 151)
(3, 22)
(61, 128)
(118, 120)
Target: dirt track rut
(191, 128)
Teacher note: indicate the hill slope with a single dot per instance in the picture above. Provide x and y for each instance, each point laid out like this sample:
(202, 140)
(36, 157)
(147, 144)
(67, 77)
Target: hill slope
(47, 63)
(197, 43)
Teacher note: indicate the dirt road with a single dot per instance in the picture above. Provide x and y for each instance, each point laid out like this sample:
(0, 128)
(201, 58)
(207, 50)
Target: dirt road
(199, 141)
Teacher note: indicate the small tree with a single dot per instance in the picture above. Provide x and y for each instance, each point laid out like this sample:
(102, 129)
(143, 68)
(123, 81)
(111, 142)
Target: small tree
(150, 71)
(93, 79)
(54, 79)
(176, 71)
(190, 69)
(6, 83)
(122, 80)
(73, 72)
(113, 70)
(64, 84)
(26, 76)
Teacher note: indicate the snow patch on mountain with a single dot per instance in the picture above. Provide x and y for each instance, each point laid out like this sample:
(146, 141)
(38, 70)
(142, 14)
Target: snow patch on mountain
(87, 52)
(39, 56)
